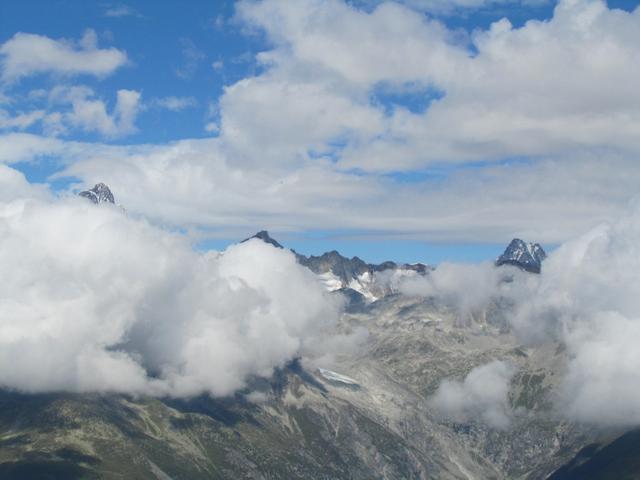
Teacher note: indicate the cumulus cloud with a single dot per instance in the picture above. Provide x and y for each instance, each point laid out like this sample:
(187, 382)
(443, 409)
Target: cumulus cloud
(502, 95)
(24, 147)
(13, 184)
(310, 141)
(92, 300)
(481, 396)
(90, 114)
(78, 107)
(467, 286)
(587, 297)
(27, 54)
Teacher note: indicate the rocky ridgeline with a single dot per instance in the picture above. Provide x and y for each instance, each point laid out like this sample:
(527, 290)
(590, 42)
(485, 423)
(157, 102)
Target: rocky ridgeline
(351, 275)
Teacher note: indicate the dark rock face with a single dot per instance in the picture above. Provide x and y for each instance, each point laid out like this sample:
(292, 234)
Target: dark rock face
(526, 256)
(619, 459)
(265, 237)
(98, 194)
(344, 268)
(355, 300)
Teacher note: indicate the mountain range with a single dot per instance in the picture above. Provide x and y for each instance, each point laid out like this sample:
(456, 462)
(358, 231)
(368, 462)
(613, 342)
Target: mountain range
(365, 415)
(352, 276)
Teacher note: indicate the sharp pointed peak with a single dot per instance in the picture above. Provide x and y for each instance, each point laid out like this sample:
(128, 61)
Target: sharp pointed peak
(265, 237)
(524, 255)
(100, 193)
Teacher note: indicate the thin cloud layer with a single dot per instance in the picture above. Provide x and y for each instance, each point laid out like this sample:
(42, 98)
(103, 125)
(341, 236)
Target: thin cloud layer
(92, 300)
(549, 201)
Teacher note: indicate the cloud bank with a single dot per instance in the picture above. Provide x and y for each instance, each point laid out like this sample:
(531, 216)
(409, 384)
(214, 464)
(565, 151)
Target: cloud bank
(588, 294)
(467, 286)
(321, 134)
(91, 300)
(585, 299)
(501, 93)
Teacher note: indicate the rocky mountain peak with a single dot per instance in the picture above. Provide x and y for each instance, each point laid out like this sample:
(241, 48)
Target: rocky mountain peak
(524, 255)
(265, 237)
(100, 193)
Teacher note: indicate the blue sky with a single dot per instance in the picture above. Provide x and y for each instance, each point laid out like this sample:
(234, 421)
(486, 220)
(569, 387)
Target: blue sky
(171, 51)
(413, 131)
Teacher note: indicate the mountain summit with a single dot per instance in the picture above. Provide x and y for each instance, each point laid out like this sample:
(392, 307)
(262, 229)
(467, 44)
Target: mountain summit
(526, 256)
(100, 193)
(265, 237)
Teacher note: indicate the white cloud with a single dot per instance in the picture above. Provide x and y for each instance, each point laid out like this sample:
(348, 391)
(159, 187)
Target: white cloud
(451, 6)
(126, 110)
(467, 287)
(90, 114)
(288, 138)
(482, 395)
(528, 91)
(108, 303)
(13, 184)
(308, 116)
(587, 299)
(85, 112)
(23, 147)
(194, 183)
(118, 11)
(175, 104)
(27, 54)
(21, 120)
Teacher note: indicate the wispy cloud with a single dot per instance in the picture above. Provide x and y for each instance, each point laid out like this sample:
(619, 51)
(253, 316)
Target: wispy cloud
(192, 57)
(121, 11)
(174, 104)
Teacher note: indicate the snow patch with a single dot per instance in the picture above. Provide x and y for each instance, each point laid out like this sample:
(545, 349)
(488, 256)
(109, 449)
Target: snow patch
(330, 281)
(336, 377)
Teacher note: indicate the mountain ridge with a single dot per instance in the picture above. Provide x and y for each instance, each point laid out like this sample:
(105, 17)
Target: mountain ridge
(342, 273)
